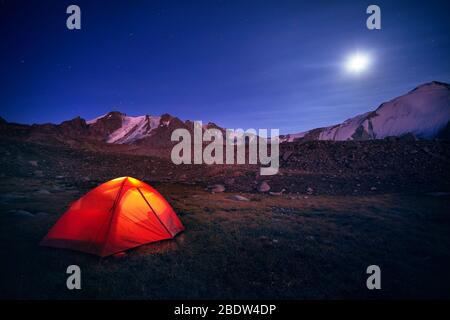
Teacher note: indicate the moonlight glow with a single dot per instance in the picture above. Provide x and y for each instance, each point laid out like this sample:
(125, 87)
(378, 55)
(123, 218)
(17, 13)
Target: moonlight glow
(357, 63)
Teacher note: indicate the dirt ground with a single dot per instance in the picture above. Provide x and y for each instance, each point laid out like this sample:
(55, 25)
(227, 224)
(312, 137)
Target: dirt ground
(275, 247)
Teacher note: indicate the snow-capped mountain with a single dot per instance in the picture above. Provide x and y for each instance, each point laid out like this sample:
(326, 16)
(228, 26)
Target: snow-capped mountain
(119, 128)
(423, 112)
(123, 129)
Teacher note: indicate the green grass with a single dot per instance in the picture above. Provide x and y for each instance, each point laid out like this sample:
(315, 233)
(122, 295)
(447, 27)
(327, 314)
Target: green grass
(270, 247)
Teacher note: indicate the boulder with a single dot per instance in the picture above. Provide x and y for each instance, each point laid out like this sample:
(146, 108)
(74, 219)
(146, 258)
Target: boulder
(217, 188)
(263, 187)
(22, 213)
(237, 197)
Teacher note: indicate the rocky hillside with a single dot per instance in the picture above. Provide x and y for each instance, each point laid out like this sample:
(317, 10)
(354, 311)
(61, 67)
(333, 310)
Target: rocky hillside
(306, 168)
(114, 131)
(118, 128)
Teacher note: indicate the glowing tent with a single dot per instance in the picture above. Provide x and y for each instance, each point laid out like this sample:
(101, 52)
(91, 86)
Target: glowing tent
(118, 215)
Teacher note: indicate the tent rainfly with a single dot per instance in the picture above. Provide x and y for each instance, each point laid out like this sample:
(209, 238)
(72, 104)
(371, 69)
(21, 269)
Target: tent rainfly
(118, 215)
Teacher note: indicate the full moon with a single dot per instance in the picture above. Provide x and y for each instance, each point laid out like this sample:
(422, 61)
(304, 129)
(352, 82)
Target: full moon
(357, 63)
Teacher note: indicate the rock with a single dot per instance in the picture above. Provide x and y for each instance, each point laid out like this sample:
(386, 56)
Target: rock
(120, 255)
(264, 187)
(38, 173)
(287, 155)
(408, 137)
(391, 139)
(22, 213)
(309, 190)
(42, 191)
(237, 197)
(57, 188)
(34, 163)
(41, 214)
(217, 188)
(277, 193)
(230, 182)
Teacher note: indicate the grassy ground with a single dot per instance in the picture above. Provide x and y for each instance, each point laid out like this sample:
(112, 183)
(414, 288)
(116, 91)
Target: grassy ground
(270, 247)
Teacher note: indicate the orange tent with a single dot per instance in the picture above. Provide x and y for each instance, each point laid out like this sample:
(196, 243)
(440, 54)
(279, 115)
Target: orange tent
(118, 215)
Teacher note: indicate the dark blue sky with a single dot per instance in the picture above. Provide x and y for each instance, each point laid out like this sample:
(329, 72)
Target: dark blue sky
(258, 64)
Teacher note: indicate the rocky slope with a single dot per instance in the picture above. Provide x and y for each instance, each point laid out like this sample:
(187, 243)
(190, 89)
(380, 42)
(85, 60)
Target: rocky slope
(306, 168)
(114, 131)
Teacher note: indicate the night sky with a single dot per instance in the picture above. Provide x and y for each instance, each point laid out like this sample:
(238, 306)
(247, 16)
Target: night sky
(247, 64)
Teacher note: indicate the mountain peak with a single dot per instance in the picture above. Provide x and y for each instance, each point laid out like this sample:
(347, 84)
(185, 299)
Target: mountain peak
(77, 120)
(115, 113)
(432, 84)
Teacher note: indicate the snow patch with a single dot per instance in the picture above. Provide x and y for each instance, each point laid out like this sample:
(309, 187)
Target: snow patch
(95, 119)
(293, 137)
(133, 129)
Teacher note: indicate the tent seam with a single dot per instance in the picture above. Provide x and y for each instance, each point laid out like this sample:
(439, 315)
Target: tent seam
(145, 199)
(113, 209)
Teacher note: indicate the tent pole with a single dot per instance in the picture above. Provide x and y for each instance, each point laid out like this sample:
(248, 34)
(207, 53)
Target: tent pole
(155, 213)
(113, 210)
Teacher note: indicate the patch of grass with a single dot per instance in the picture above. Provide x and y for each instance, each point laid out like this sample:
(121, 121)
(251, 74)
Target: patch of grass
(270, 247)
